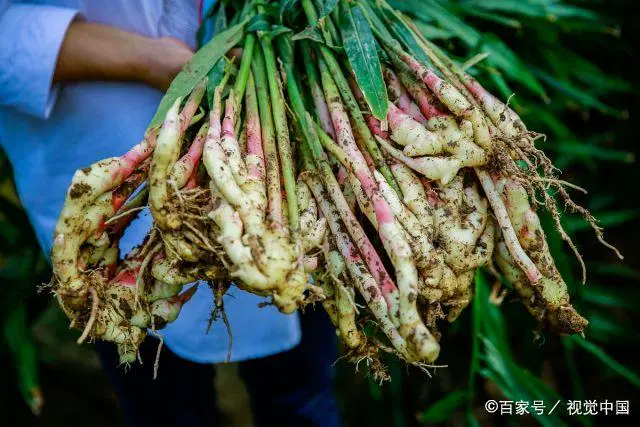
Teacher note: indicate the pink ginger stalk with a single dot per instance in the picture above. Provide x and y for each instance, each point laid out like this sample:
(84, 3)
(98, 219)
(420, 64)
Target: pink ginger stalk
(412, 326)
(120, 195)
(323, 111)
(377, 268)
(217, 162)
(374, 124)
(129, 275)
(116, 227)
(383, 285)
(410, 108)
(192, 158)
(342, 175)
(447, 93)
(228, 122)
(500, 114)
(186, 168)
(401, 97)
(367, 157)
(358, 163)
(427, 103)
(192, 182)
(229, 142)
(395, 116)
(371, 294)
(254, 140)
(191, 106)
(126, 189)
(131, 159)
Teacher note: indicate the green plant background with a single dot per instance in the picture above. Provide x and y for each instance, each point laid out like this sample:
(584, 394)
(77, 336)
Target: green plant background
(573, 68)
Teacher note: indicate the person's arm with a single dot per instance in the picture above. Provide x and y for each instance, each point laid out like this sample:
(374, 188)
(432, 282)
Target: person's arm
(98, 52)
(41, 46)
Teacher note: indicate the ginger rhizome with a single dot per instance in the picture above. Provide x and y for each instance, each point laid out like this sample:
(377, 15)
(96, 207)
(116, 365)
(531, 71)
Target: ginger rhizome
(275, 171)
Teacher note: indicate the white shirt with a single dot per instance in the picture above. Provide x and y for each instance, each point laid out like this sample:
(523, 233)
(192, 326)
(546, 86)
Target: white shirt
(50, 131)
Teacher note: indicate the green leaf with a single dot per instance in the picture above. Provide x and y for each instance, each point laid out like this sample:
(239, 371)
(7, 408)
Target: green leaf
(503, 58)
(517, 383)
(242, 13)
(533, 9)
(406, 36)
(274, 32)
(444, 408)
(21, 343)
(309, 33)
(287, 8)
(596, 351)
(493, 17)
(360, 47)
(564, 11)
(577, 94)
(499, 81)
(431, 32)
(220, 22)
(396, 368)
(430, 10)
(326, 7)
(258, 23)
(374, 389)
(566, 65)
(605, 219)
(214, 78)
(524, 8)
(270, 9)
(605, 329)
(608, 298)
(615, 270)
(375, 20)
(480, 283)
(211, 24)
(472, 421)
(314, 34)
(197, 68)
(589, 150)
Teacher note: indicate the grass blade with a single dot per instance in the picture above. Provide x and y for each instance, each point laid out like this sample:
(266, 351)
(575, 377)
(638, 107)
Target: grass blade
(596, 351)
(443, 409)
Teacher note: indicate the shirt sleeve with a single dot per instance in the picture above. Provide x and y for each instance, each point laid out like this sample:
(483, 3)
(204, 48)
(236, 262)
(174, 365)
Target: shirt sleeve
(30, 41)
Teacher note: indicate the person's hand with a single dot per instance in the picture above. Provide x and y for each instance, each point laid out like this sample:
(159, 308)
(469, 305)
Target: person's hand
(165, 58)
(93, 51)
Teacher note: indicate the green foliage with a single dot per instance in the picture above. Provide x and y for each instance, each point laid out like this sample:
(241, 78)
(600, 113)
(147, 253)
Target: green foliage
(360, 47)
(606, 360)
(326, 7)
(442, 410)
(198, 68)
(19, 338)
(497, 363)
(22, 269)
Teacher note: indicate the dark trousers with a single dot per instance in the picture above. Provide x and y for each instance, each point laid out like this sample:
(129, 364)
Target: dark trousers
(294, 388)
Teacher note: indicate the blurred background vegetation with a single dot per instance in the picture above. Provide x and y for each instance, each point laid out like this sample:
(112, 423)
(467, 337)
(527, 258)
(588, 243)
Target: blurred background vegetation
(574, 70)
